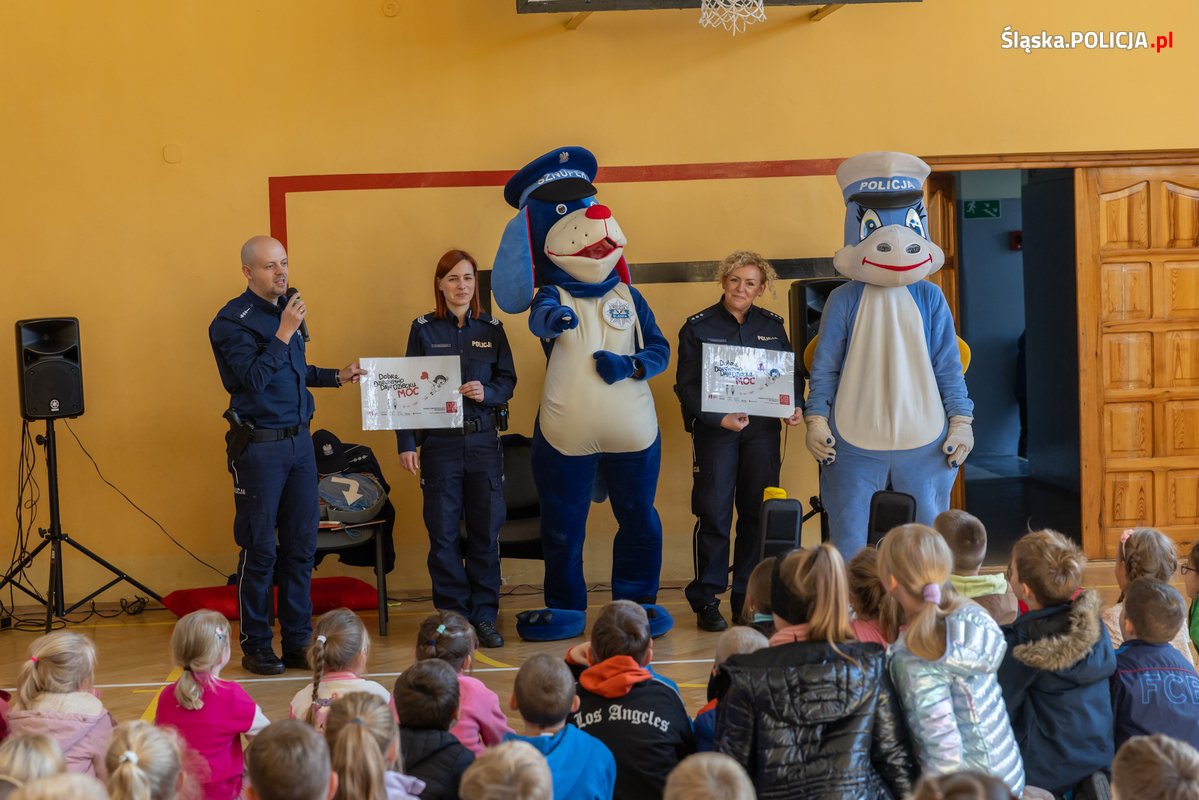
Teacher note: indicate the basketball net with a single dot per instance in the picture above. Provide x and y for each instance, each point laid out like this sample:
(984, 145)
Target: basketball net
(732, 15)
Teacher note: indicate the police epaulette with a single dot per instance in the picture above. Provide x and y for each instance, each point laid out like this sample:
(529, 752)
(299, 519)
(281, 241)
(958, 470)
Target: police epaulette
(771, 314)
(697, 317)
(494, 321)
(421, 320)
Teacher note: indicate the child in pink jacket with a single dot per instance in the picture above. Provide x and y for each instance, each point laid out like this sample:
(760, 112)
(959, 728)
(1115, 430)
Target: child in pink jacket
(449, 637)
(54, 697)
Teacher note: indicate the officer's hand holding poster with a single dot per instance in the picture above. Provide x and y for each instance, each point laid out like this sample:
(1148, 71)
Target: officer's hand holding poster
(410, 393)
(748, 380)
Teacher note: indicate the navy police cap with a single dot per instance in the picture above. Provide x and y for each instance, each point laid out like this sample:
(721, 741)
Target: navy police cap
(559, 175)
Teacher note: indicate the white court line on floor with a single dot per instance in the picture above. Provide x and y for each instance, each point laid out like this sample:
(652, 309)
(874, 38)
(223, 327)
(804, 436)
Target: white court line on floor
(306, 677)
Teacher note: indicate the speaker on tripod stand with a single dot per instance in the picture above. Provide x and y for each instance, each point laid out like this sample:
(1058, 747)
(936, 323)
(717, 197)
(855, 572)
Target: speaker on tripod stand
(50, 385)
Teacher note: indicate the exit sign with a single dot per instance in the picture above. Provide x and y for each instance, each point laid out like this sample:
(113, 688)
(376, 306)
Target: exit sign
(981, 209)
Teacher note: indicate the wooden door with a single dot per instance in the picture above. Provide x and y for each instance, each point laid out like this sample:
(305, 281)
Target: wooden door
(940, 200)
(1138, 313)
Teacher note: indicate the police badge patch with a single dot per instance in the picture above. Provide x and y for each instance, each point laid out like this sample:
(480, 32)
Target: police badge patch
(618, 313)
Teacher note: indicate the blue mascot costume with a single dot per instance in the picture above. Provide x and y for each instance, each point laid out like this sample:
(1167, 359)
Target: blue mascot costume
(597, 418)
(887, 403)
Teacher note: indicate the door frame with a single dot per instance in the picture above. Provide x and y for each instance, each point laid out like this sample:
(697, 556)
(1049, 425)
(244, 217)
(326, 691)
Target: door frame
(1090, 460)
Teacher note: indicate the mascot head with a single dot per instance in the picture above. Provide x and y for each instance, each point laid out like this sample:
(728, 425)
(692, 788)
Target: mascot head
(561, 235)
(886, 226)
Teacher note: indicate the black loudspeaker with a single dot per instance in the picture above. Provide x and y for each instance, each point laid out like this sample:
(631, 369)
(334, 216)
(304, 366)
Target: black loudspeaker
(780, 523)
(806, 300)
(49, 369)
(889, 510)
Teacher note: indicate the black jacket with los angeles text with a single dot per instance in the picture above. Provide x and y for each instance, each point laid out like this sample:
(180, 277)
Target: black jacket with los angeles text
(642, 720)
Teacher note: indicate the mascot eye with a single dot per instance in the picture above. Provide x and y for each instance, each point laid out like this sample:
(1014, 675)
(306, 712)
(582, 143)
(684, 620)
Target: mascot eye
(870, 223)
(561, 209)
(913, 221)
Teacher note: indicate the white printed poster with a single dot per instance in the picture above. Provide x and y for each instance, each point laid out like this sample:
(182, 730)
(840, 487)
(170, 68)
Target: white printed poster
(748, 380)
(411, 393)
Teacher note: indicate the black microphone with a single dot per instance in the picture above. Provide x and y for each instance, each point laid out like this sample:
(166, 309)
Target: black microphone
(283, 301)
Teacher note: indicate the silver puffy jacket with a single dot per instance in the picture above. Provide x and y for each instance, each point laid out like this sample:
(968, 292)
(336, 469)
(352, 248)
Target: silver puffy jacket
(954, 706)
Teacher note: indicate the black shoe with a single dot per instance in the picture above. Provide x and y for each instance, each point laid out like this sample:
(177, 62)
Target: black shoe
(262, 662)
(296, 659)
(709, 618)
(488, 635)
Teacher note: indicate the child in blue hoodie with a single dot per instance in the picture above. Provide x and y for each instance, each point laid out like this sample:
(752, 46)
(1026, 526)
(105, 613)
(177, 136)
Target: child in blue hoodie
(544, 696)
(1155, 688)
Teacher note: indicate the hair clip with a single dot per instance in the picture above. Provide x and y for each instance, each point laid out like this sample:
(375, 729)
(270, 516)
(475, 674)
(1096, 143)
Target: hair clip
(932, 593)
(441, 629)
(219, 634)
(33, 659)
(322, 638)
(129, 757)
(357, 721)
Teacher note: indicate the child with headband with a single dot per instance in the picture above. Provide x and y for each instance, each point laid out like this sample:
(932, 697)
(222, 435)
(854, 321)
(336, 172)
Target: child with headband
(944, 663)
(210, 714)
(447, 635)
(55, 697)
(338, 654)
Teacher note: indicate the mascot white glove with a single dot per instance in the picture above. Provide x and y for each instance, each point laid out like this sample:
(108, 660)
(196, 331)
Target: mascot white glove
(820, 440)
(959, 441)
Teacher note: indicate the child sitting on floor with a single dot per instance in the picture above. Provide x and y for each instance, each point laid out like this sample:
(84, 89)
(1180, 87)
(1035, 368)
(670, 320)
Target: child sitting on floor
(1155, 767)
(55, 697)
(210, 714)
(1190, 580)
(448, 636)
(1154, 690)
(289, 760)
(637, 714)
(874, 616)
(756, 612)
(364, 747)
(510, 771)
(1144, 553)
(944, 663)
(708, 776)
(814, 715)
(27, 757)
(544, 695)
(1057, 666)
(145, 762)
(338, 654)
(426, 698)
(738, 639)
(967, 540)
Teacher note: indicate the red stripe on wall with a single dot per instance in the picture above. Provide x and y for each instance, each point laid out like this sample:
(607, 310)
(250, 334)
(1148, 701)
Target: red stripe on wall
(278, 188)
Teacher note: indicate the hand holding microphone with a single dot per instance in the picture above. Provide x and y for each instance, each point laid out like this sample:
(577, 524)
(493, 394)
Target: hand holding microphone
(294, 312)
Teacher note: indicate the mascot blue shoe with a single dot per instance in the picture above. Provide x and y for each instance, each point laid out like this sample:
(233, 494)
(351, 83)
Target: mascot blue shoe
(887, 403)
(562, 259)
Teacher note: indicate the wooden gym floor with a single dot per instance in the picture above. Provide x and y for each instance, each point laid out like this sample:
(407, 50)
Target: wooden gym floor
(134, 652)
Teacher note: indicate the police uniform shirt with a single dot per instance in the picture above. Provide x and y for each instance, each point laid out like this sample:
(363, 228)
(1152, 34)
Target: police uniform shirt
(482, 348)
(716, 325)
(266, 379)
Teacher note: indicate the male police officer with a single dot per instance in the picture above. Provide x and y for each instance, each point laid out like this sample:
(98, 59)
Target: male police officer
(261, 362)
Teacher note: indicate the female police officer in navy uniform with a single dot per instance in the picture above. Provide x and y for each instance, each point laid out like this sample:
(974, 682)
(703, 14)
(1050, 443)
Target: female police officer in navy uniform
(736, 455)
(463, 469)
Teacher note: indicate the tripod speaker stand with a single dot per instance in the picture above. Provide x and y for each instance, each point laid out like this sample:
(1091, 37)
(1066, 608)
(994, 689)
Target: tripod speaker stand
(50, 382)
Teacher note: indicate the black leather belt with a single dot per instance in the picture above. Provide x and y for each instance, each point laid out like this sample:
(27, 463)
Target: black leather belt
(274, 434)
(476, 425)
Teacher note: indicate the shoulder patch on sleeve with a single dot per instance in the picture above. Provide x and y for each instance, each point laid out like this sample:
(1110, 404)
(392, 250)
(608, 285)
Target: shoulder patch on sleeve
(771, 315)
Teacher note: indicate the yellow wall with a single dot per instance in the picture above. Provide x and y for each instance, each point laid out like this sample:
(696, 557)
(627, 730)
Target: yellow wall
(95, 223)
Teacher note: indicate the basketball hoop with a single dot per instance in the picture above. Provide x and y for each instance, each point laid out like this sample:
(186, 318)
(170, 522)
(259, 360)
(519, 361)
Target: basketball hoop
(732, 15)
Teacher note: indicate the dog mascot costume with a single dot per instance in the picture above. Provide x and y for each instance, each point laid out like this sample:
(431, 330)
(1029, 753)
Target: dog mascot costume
(597, 414)
(887, 401)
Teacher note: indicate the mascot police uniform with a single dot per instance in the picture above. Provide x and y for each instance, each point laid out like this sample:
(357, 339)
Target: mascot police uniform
(597, 416)
(887, 401)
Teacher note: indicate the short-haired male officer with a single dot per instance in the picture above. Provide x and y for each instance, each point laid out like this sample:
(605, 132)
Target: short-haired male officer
(260, 358)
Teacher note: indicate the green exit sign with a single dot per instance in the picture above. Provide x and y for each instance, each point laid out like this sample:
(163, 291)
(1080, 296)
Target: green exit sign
(982, 209)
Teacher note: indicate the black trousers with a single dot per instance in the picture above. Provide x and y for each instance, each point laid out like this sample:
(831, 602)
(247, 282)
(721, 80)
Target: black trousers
(731, 469)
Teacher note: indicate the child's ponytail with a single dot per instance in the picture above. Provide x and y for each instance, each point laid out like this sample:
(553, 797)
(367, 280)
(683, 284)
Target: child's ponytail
(198, 646)
(58, 662)
(360, 730)
(339, 637)
(920, 561)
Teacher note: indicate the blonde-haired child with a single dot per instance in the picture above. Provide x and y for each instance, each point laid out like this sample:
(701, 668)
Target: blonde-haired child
(510, 771)
(210, 714)
(364, 747)
(447, 635)
(817, 700)
(737, 639)
(1155, 766)
(1055, 674)
(944, 662)
(1144, 553)
(875, 617)
(55, 697)
(338, 655)
(27, 757)
(67, 784)
(708, 776)
(145, 762)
